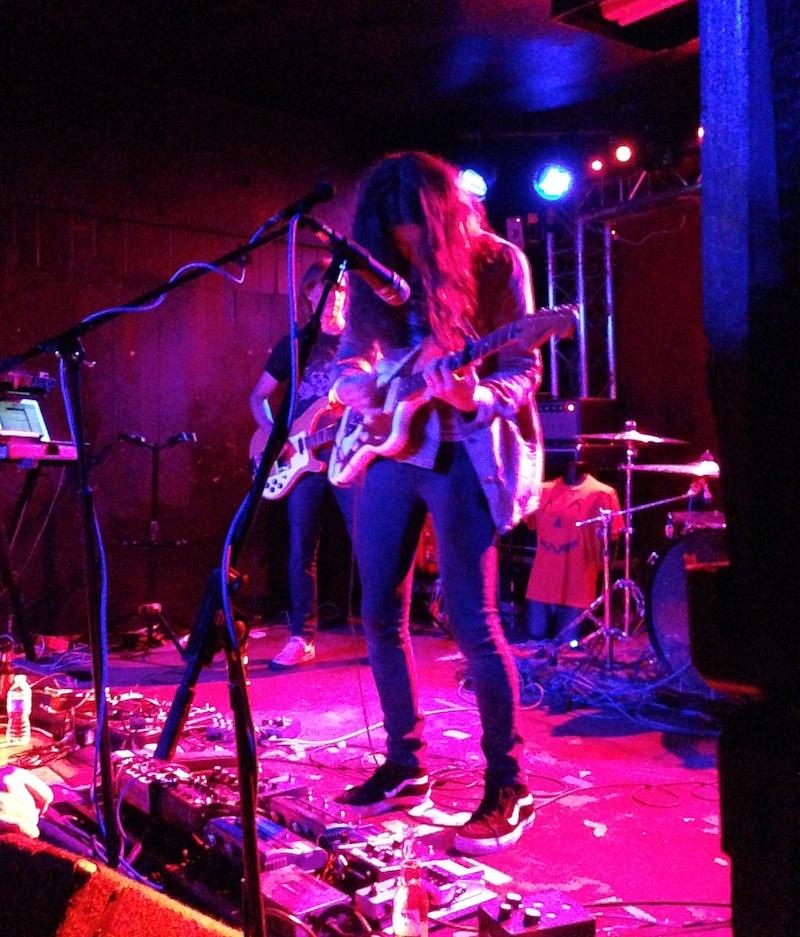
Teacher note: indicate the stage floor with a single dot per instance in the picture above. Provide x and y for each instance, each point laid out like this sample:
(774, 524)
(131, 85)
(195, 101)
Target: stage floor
(622, 767)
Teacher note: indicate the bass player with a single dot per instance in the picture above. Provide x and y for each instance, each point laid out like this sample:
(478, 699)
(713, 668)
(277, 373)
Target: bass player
(310, 497)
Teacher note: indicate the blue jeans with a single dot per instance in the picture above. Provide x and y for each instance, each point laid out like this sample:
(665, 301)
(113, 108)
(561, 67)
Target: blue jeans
(546, 620)
(389, 512)
(308, 504)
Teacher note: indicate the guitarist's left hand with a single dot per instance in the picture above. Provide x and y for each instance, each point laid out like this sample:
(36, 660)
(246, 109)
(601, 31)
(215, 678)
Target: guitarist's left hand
(458, 388)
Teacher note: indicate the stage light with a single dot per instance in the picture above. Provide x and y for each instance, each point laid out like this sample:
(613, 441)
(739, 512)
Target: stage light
(597, 164)
(700, 133)
(623, 153)
(473, 183)
(553, 182)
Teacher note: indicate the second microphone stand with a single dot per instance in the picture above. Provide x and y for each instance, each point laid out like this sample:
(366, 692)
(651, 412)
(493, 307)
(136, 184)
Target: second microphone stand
(151, 610)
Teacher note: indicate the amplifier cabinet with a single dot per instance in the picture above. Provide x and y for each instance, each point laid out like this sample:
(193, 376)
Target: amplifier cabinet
(566, 419)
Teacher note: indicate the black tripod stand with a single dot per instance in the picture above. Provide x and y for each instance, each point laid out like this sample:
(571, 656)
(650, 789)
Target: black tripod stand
(604, 627)
(151, 611)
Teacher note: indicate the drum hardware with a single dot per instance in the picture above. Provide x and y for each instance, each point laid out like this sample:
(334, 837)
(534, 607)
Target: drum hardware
(705, 467)
(426, 595)
(605, 518)
(632, 439)
(680, 523)
(631, 435)
(668, 602)
(632, 591)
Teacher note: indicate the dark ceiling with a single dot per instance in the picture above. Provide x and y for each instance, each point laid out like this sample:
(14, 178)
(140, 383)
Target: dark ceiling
(403, 69)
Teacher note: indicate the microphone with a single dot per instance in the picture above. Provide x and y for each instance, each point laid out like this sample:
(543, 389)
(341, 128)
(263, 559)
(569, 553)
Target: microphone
(136, 438)
(386, 284)
(322, 192)
(181, 437)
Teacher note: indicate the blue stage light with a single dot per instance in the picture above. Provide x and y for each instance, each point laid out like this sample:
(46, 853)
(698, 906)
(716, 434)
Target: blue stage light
(473, 183)
(553, 182)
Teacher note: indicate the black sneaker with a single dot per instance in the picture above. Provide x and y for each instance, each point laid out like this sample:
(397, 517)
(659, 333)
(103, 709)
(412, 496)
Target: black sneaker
(391, 787)
(498, 822)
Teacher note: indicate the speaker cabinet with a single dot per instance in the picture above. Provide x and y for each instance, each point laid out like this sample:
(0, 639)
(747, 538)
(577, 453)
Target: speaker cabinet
(50, 892)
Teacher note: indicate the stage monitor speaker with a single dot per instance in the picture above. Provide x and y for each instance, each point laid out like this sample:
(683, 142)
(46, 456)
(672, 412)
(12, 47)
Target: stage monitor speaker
(50, 892)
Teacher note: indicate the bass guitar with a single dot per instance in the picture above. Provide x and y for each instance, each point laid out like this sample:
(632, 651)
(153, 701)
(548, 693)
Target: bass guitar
(310, 432)
(386, 430)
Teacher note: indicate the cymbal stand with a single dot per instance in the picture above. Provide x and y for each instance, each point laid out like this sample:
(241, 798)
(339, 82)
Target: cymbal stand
(606, 629)
(629, 587)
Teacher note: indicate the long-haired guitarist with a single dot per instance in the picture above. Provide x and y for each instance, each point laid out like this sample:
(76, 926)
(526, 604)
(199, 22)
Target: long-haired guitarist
(309, 495)
(474, 460)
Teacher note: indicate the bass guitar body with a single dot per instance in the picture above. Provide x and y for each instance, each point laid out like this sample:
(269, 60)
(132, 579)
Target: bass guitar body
(310, 434)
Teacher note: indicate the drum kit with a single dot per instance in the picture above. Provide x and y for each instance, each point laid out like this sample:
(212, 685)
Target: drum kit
(697, 533)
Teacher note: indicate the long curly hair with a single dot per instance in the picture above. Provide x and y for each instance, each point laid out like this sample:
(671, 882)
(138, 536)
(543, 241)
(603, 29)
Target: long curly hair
(418, 188)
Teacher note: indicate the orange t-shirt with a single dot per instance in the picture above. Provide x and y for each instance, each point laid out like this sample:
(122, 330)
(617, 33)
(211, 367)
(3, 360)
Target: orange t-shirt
(569, 559)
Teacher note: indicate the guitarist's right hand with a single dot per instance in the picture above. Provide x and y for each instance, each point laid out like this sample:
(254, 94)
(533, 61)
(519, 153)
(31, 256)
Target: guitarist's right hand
(357, 390)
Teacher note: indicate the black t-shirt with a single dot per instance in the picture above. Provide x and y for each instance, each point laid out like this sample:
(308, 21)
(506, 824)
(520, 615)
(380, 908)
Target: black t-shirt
(319, 372)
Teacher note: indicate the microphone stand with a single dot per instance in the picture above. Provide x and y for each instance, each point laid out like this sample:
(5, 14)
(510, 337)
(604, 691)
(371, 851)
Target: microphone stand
(73, 355)
(67, 345)
(203, 644)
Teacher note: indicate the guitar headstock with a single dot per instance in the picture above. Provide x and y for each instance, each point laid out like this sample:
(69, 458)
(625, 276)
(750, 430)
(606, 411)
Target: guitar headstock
(548, 322)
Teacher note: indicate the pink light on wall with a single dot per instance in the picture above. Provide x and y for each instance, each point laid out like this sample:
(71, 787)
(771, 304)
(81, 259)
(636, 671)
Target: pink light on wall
(625, 12)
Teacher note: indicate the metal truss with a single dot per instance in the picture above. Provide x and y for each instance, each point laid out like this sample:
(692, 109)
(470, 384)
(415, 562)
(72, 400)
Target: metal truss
(578, 240)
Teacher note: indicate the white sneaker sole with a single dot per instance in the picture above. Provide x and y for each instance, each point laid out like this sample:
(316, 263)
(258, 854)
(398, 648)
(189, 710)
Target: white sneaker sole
(279, 665)
(483, 847)
(409, 804)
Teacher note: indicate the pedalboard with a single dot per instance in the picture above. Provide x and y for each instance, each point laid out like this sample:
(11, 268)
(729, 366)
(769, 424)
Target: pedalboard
(315, 818)
(277, 846)
(454, 887)
(552, 913)
(185, 800)
(299, 893)
(300, 834)
(278, 727)
(374, 852)
(188, 800)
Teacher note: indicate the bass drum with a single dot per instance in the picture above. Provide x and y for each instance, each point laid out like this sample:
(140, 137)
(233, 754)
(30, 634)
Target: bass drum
(667, 604)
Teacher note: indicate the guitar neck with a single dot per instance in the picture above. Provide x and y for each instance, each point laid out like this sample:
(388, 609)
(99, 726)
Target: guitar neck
(545, 322)
(322, 436)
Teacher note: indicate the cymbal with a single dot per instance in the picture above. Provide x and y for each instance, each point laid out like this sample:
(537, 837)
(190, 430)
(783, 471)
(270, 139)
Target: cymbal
(703, 468)
(630, 435)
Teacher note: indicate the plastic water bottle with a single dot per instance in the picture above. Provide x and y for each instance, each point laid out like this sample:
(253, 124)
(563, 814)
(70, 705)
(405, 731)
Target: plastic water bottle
(18, 707)
(6, 669)
(411, 900)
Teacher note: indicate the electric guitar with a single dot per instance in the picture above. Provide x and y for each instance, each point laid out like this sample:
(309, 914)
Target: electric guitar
(386, 430)
(311, 431)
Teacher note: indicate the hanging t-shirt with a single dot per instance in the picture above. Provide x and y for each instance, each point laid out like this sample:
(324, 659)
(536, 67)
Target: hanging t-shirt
(569, 559)
(318, 375)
